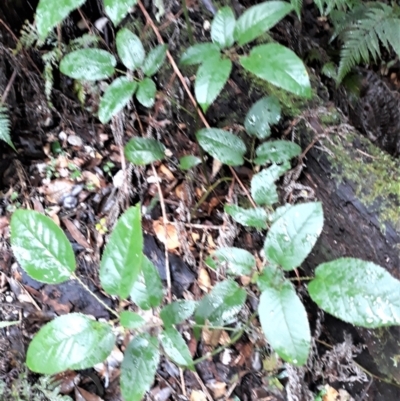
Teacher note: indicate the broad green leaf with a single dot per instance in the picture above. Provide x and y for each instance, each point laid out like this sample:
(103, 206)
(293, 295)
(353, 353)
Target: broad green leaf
(41, 247)
(285, 324)
(188, 162)
(293, 235)
(260, 18)
(271, 276)
(139, 367)
(147, 292)
(122, 258)
(176, 348)
(146, 92)
(154, 60)
(118, 9)
(239, 261)
(222, 27)
(264, 113)
(72, 341)
(49, 14)
(224, 146)
(199, 52)
(358, 292)
(88, 64)
(256, 217)
(131, 320)
(279, 151)
(211, 78)
(280, 66)
(7, 324)
(177, 311)
(130, 49)
(115, 98)
(142, 151)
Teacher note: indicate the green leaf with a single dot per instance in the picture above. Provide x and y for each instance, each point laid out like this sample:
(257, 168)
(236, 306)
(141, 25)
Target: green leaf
(118, 9)
(147, 292)
(7, 324)
(142, 151)
(188, 162)
(146, 92)
(271, 276)
(130, 49)
(177, 311)
(88, 64)
(122, 258)
(211, 78)
(139, 367)
(258, 19)
(154, 60)
(264, 113)
(49, 14)
(239, 261)
(293, 235)
(256, 217)
(222, 28)
(280, 66)
(5, 127)
(115, 98)
(72, 341)
(358, 292)
(41, 247)
(199, 52)
(276, 152)
(285, 324)
(176, 348)
(224, 146)
(131, 320)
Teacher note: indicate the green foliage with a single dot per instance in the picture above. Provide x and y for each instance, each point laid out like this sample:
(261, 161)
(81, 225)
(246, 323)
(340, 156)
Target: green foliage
(142, 151)
(188, 162)
(176, 312)
(278, 151)
(256, 217)
(5, 127)
(238, 261)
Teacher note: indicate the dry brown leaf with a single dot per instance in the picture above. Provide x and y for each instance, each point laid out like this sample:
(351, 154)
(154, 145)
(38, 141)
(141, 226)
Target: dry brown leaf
(217, 388)
(67, 381)
(211, 337)
(172, 240)
(75, 233)
(55, 190)
(163, 169)
(198, 395)
(83, 395)
(204, 280)
(92, 178)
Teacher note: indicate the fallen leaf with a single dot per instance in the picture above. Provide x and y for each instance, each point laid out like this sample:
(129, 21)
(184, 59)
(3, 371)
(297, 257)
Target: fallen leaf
(198, 395)
(55, 190)
(172, 240)
(163, 169)
(217, 388)
(75, 233)
(204, 280)
(83, 395)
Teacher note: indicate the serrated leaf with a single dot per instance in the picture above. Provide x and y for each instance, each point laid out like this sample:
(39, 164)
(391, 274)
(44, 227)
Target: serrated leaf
(199, 52)
(41, 247)
(5, 127)
(88, 64)
(177, 311)
(154, 60)
(224, 146)
(211, 78)
(176, 348)
(188, 162)
(146, 92)
(130, 49)
(358, 292)
(48, 14)
(222, 27)
(72, 341)
(280, 66)
(121, 262)
(285, 324)
(239, 262)
(260, 18)
(279, 151)
(264, 113)
(293, 235)
(142, 151)
(131, 320)
(118, 9)
(115, 98)
(139, 367)
(256, 217)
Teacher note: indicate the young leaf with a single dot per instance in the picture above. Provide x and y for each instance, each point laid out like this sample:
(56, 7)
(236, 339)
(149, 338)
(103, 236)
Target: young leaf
(188, 162)
(293, 235)
(280, 66)
(117, 9)
(122, 258)
(211, 78)
(285, 324)
(41, 247)
(199, 52)
(260, 18)
(222, 27)
(130, 49)
(239, 261)
(142, 151)
(115, 98)
(358, 292)
(72, 341)
(88, 64)
(131, 320)
(146, 92)
(176, 348)
(256, 217)
(139, 367)
(154, 60)
(177, 311)
(224, 146)
(279, 151)
(264, 113)
(49, 14)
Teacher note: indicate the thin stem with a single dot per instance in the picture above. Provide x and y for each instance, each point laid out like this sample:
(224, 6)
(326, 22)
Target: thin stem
(301, 278)
(188, 25)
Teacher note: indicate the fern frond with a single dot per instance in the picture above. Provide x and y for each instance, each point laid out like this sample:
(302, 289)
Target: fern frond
(5, 127)
(28, 37)
(83, 41)
(325, 7)
(297, 6)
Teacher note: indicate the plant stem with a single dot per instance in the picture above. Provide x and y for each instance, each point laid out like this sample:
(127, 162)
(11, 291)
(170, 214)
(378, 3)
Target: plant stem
(301, 278)
(188, 25)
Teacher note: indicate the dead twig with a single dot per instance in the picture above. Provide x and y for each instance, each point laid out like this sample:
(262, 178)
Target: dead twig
(8, 87)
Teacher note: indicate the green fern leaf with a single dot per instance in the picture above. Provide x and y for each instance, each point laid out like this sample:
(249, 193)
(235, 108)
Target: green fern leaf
(297, 6)
(5, 127)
